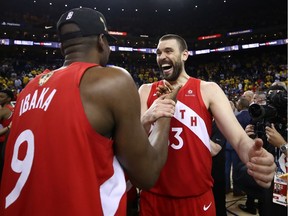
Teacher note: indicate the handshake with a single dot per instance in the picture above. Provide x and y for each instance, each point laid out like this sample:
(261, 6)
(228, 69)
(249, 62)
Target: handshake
(168, 91)
(163, 106)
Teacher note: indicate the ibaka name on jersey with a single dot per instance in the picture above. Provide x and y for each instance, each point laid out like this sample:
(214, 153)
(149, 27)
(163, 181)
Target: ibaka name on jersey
(38, 100)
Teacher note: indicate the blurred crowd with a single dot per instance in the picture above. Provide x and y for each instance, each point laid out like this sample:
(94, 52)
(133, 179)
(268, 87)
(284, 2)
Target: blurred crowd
(234, 74)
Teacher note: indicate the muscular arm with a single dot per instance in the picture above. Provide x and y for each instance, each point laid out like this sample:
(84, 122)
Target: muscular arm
(145, 119)
(112, 103)
(4, 113)
(225, 119)
(259, 162)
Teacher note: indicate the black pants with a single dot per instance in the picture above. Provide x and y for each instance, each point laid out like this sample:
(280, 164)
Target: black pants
(218, 174)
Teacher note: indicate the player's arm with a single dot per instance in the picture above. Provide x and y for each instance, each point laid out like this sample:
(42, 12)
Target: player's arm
(215, 148)
(161, 107)
(146, 120)
(5, 129)
(4, 113)
(259, 162)
(141, 160)
(218, 104)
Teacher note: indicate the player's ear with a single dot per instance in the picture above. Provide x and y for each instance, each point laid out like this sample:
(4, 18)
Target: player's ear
(185, 55)
(101, 42)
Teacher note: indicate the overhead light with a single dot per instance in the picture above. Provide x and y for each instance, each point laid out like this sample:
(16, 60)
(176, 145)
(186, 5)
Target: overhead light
(48, 27)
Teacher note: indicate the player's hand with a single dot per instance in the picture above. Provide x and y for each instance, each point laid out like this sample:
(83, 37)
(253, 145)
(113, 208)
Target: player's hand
(161, 107)
(173, 94)
(164, 89)
(168, 90)
(215, 148)
(261, 164)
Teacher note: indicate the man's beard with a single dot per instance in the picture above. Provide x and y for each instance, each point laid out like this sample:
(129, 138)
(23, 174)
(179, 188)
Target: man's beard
(177, 68)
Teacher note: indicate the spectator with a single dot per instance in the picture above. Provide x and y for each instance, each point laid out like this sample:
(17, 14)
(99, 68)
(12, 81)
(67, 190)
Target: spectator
(259, 98)
(268, 205)
(244, 119)
(6, 114)
(248, 95)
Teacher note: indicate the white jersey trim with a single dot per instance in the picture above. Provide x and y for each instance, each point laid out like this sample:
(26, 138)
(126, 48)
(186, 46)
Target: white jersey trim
(200, 130)
(112, 190)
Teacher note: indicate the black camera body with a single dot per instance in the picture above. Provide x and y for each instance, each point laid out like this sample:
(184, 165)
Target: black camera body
(275, 111)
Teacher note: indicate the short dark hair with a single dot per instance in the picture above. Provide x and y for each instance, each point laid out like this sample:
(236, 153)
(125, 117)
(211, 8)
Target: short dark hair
(182, 43)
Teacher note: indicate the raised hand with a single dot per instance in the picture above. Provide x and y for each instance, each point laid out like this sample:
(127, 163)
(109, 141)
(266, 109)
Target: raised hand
(161, 107)
(168, 90)
(261, 164)
(174, 92)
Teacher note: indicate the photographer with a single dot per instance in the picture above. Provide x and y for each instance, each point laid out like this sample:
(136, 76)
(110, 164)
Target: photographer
(275, 139)
(270, 123)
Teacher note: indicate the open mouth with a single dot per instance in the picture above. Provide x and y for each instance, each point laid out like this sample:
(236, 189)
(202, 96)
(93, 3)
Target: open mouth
(166, 67)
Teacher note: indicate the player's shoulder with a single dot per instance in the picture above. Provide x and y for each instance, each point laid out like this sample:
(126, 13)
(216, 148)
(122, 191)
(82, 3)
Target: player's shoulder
(117, 70)
(146, 87)
(210, 91)
(110, 74)
(208, 85)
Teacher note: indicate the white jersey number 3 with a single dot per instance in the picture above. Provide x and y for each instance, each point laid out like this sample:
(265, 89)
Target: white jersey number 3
(178, 131)
(21, 166)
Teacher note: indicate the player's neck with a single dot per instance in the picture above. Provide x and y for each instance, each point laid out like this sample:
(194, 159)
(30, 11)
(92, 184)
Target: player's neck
(183, 78)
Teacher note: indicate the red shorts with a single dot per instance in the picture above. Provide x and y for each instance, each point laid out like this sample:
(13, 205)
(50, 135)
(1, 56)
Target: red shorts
(155, 205)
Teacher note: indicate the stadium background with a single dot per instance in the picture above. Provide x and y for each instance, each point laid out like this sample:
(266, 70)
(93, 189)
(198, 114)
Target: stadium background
(236, 43)
(230, 41)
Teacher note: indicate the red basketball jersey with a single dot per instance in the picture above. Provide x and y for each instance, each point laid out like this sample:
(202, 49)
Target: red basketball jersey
(187, 171)
(55, 163)
(6, 122)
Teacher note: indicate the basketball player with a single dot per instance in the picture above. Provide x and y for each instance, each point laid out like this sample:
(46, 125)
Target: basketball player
(6, 114)
(6, 111)
(77, 129)
(185, 183)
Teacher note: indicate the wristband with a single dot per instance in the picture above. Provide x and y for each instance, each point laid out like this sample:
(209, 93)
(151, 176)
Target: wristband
(284, 148)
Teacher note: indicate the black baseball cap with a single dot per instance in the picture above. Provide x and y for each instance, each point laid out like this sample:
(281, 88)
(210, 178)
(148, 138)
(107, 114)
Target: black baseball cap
(8, 92)
(90, 22)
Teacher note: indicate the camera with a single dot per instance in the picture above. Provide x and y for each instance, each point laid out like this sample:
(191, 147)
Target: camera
(275, 111)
